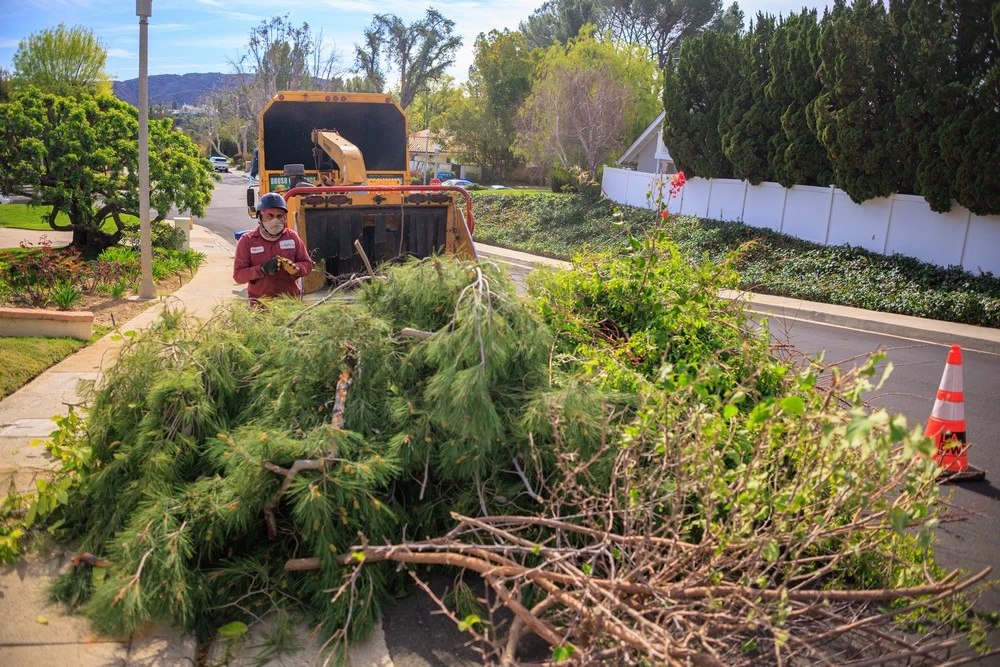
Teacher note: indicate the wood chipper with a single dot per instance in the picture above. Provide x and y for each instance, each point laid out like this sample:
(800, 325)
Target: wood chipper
(341, 161)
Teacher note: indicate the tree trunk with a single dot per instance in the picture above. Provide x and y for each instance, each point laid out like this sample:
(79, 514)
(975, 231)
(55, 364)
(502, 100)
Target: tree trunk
(91, 242)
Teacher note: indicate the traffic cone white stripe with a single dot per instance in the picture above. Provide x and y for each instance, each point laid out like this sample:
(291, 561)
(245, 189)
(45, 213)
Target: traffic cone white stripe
(952, 377)
(948, 411)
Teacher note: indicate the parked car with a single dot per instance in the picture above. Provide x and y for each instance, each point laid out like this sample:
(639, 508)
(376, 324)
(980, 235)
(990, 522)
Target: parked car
(461, 182)
(220, 163)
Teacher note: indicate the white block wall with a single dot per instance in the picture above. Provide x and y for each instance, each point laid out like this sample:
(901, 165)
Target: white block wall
(902, 224)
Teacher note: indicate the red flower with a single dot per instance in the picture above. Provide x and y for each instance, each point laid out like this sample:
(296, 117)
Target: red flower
(664, 214)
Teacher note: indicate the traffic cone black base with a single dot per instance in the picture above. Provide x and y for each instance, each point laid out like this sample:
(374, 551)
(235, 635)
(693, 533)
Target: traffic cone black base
(970, 474)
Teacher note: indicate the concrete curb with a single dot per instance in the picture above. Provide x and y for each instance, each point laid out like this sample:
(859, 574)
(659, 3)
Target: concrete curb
(979, 339)
(46, 323)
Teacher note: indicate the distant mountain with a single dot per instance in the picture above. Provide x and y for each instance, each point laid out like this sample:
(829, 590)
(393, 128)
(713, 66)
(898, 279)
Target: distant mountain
(172, 90)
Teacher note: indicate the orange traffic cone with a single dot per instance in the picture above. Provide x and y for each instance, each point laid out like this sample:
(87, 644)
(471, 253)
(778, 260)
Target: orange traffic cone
(947, 424)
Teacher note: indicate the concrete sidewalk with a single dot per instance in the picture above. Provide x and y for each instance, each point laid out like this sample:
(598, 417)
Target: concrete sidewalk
(12, 238)
(34, 632)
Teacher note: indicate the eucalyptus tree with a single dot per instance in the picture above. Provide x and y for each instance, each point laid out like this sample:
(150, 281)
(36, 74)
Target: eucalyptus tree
(418, 53)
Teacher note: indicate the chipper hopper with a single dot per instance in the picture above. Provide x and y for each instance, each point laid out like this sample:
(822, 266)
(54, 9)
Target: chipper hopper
(341, 161)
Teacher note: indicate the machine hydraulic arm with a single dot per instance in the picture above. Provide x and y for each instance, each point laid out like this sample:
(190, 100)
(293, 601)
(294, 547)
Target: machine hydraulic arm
(345, 154)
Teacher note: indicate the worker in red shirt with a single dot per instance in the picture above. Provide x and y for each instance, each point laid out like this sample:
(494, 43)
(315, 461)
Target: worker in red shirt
(272, 257)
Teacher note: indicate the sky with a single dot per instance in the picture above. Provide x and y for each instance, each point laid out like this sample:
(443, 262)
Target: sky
(208, 35)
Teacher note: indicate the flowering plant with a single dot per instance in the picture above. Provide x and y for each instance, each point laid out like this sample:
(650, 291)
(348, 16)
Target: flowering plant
(663, 189)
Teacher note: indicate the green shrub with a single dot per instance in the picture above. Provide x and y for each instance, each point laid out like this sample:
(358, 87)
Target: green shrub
(562, 180)
(65, 295)
(166, 264)
(192, 259)
(162, 234)
(33, 274)
(118, 290)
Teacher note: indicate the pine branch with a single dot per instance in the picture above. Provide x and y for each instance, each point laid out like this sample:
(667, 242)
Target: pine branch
(134, 581)
(337, 419)
(289, 474)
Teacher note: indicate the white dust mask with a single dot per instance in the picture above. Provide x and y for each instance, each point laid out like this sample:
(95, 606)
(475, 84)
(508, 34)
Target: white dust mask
(273, 227)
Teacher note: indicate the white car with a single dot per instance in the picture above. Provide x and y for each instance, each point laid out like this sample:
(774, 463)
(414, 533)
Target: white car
(220, 163)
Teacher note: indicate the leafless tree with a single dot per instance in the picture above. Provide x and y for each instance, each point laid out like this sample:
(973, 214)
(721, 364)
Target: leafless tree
(574, 116)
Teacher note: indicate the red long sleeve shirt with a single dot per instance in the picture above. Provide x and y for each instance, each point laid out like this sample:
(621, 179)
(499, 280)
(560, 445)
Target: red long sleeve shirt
(252, 250)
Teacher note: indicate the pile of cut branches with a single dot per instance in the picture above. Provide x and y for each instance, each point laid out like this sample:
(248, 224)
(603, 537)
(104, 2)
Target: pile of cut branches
(622, 460)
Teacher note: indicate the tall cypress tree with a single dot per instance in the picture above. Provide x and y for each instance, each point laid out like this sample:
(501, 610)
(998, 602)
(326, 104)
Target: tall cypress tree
(928, 92)
(854, 113)
(777, 94)
(751, 118)
(693, 97)
(969, 138)
(806, 160)
(795, 154)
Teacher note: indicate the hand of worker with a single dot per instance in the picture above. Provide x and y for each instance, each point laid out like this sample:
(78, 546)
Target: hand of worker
(288, 265)
(269, 267)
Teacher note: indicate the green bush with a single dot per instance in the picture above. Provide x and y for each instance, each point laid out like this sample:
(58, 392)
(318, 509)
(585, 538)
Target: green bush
(65, 295)
(562, 179)
(162, 234)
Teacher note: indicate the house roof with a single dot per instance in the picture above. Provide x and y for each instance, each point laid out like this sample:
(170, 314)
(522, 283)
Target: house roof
(653, 130)
(423, 142)
(426, 141)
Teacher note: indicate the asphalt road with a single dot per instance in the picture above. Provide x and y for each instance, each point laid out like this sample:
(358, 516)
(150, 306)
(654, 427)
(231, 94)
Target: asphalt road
(910, 390)
(228, 211)
(417, 636)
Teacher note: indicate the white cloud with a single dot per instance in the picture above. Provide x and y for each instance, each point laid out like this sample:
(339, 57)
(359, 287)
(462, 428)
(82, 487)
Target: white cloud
(120, 53)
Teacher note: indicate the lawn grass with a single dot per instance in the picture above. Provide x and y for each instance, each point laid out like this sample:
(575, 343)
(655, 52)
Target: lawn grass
(22, 216)
(21, 359)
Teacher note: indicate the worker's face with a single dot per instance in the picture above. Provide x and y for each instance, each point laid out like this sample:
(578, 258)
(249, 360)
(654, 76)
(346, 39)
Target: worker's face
(273, 220)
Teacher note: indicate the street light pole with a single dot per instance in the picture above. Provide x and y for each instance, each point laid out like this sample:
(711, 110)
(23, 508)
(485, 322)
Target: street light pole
(147, 290)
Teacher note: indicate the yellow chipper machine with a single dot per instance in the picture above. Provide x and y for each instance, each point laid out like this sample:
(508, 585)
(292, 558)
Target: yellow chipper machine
(341, 161)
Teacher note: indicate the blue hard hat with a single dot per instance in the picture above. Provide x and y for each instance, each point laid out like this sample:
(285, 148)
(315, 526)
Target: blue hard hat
(271, 200)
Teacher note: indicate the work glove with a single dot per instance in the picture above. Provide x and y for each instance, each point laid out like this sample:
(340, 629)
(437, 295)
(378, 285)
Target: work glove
(287, 265)
(269, 267)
